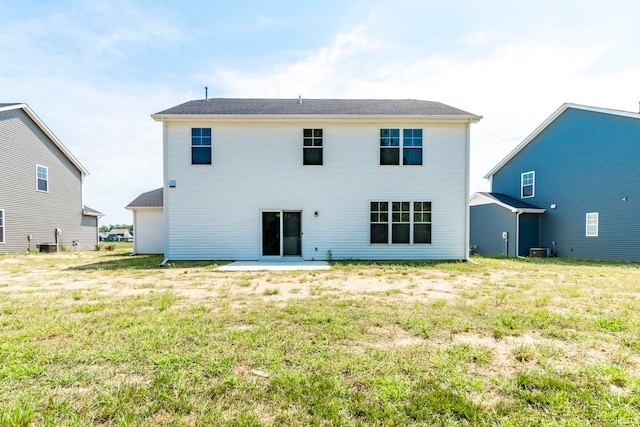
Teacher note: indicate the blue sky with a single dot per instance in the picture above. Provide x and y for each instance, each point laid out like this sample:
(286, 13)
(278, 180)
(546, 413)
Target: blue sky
(94, 71)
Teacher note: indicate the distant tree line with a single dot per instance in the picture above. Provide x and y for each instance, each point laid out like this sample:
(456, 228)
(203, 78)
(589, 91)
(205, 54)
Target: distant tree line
(106, 228)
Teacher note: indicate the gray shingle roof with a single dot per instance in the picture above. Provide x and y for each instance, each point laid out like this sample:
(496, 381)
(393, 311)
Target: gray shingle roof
(150, 199)
(240, 106)
(86, 210)
(508, 200)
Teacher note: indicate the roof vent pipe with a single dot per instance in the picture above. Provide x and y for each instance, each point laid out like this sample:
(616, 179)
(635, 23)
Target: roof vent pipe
(206, 93)
(299, 99)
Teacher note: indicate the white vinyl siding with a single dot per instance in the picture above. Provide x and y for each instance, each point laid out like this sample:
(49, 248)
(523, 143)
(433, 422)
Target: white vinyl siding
(592, 224)
(214, 213)
(148, 231)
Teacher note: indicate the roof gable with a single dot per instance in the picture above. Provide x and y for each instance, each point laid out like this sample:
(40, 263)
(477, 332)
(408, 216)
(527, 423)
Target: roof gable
(47, 132)
(564, 107)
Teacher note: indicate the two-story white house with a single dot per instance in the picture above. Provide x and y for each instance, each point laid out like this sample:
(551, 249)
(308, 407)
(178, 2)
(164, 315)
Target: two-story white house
(254, 179)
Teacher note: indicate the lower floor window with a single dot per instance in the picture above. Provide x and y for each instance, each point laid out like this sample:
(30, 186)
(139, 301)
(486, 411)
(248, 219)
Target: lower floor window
(1, 225)
(592, 224)
(400, 222)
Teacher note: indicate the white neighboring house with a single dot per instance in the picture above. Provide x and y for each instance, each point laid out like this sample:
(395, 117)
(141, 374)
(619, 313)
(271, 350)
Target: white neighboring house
(148, 223)
(260, 179)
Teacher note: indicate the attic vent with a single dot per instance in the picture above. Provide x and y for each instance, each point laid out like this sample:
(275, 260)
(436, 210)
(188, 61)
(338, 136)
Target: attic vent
(299, 99)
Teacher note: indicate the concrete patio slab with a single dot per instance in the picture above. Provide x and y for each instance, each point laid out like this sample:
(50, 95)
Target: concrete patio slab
(275, 266)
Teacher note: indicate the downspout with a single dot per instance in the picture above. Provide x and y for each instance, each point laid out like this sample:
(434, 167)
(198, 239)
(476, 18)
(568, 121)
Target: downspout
(518, 235)
(467, 156)
(165, 191)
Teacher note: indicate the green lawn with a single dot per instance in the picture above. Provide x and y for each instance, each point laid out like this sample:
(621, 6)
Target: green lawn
(102, 338)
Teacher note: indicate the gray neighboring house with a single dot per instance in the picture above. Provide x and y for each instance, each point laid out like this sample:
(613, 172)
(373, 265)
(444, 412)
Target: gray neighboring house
(148, 222)
(569, 189)
(40, 187)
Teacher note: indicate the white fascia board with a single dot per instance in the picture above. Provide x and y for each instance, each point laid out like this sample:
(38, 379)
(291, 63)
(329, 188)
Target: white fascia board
(49, 134)
(479, 199)
(548, 121)
(144, 208)
(240, 118)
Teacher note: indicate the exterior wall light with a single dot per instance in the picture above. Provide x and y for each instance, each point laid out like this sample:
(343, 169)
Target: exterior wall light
(624, 199)
(553, 206)
(315, 214)
(172, 184)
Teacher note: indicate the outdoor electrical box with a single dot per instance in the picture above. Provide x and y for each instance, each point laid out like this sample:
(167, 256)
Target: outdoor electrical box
(505, 235)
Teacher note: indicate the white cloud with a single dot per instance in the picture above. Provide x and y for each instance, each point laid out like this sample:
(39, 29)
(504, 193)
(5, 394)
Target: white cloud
(515, 86)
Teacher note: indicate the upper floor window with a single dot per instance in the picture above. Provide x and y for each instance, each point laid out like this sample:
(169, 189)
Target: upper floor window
(1, 225)
(394, 146)
(42, 178)
(200, 146)
(312, 147)
(592, 224)
(527, 184)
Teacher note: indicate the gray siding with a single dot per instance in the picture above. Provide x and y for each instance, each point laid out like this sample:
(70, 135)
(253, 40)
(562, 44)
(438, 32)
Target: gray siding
(487, 224)
(584, 161)
(30, 212)
(529, 233)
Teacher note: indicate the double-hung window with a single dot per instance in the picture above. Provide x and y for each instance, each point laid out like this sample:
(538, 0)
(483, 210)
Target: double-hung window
(527, 184)
(200, 146)
(42, 178)
(400, 222)
(1, 225)
(398, 145)
(312, 147)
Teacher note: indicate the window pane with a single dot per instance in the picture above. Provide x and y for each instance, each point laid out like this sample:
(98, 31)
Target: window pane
(308, 133)
(417, 217)
(42, 185)
(400, 233)
(206, 140)
(394, 133)
(405, 206)
(197, 132)
(422, 233)
(317, 133)
(379, 233)
(375, 217)
(317, 142)
(412, 156)
(200, 155)
(307, 142)
(384, 133)
(384, 206)
(527, 190)
(384, 217)
(395, 217)
(312, 156)
(389, 156)
(206, 132)
(405, 217)
(395, 206)
(374, 206)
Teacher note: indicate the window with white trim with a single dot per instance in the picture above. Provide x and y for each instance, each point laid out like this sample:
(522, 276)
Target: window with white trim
(200, 146)
(592, 224)
(527, 184)
(42, 178)
(405, 145)
(410, 222)
(1, 225)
